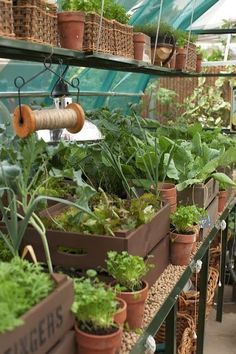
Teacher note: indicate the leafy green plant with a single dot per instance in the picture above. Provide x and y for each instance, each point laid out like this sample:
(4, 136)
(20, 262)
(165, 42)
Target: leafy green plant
(150, 29)
(18, 214)
(111, 214)
(127, 270)
(94, 305)
(206, 105)
(23, 285)
(185, 217)
(112, 10)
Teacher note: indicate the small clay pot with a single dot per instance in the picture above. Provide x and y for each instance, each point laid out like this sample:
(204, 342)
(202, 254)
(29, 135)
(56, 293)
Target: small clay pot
(181, 56)
(142, 47)
(168, 194)
(199, 63)
(181, 248)
(223, 197)
(99, 344)
(121, 314)
(135, 305)
(71, 29)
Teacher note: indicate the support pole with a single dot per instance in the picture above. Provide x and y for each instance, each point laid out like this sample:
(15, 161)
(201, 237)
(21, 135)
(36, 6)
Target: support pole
(171, 331)
(220, 297)
(202, 303)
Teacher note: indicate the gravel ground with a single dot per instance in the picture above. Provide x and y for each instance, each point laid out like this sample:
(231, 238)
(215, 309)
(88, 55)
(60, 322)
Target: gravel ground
(156, 297)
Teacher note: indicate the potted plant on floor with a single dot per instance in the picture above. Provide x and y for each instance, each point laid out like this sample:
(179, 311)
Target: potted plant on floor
(94, 308)
(183, 233)
(128, 272)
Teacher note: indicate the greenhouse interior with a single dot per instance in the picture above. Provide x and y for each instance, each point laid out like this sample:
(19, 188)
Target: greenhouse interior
(117, 176)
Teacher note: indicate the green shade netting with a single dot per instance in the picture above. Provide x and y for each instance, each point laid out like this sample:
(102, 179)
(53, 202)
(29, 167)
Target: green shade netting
(175, 12)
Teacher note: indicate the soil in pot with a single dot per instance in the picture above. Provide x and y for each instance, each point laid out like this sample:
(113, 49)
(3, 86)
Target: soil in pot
(223, 196)
(168, 194)
(135, 306)
(71, 29)
(100, 344)
(181, 247)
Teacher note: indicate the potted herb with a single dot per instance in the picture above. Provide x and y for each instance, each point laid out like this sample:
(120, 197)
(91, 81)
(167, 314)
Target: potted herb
(94, 308)
(128, 272)
(183, 233)
(33, 301)
(75, 26)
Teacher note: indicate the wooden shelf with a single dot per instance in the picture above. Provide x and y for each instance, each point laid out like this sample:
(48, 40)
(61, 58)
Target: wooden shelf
(29, 51)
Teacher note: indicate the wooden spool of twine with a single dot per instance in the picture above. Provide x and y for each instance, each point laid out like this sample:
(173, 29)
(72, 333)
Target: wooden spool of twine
(26, 121)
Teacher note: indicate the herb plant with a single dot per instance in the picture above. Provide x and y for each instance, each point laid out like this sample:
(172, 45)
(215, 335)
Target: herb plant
(94, 306)
(127, 270)
(112, 10)
(185, 217)
(23, 285)
(111, 214)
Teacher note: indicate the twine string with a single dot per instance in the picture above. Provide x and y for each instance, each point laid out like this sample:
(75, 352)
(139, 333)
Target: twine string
(100, 26)
(190, 31)
(55, 118)
(157, 32)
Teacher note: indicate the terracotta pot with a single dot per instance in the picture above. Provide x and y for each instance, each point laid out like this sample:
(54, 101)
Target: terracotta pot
(181, 248)
(199, 63)
(98, 344)
(168, 194)
(223, 196)
(173, 61)
(135, 306)
(121, 313)
(142, 47)
(71, 29)
(181, 55)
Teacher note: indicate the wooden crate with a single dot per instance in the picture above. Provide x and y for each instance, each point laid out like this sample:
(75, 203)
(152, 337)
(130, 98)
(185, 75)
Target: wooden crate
(93, 248)
(200, 194)
(67, 345)
(45, 324)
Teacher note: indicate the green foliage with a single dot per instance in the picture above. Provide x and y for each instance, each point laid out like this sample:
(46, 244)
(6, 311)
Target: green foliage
(23, 285)
(112, 10)
(206, 105)
(185, 217)
(5, 253)
(111, 214)
(150, 29)
(94, 305)
(127, 270)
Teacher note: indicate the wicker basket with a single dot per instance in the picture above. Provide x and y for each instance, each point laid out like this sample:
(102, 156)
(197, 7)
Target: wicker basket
(189, 301)
(191, 59)
(123, 40)
(35, 20)
(184, 321)
(91, 33)
(215, 257)
(6, 18)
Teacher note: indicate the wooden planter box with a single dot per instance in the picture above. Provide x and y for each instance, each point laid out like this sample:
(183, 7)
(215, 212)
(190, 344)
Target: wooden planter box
(67, 345)
(93, 248)
(160, 258)
(199, 194)
(44, 325)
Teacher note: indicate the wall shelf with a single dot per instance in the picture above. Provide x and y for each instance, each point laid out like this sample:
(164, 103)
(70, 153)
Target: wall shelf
(29, 51)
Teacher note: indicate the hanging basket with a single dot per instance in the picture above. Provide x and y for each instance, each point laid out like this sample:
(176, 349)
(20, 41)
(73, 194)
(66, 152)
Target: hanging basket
(184, 321)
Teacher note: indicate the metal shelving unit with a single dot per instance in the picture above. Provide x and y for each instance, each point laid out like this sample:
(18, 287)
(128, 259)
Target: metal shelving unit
(27, 51)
